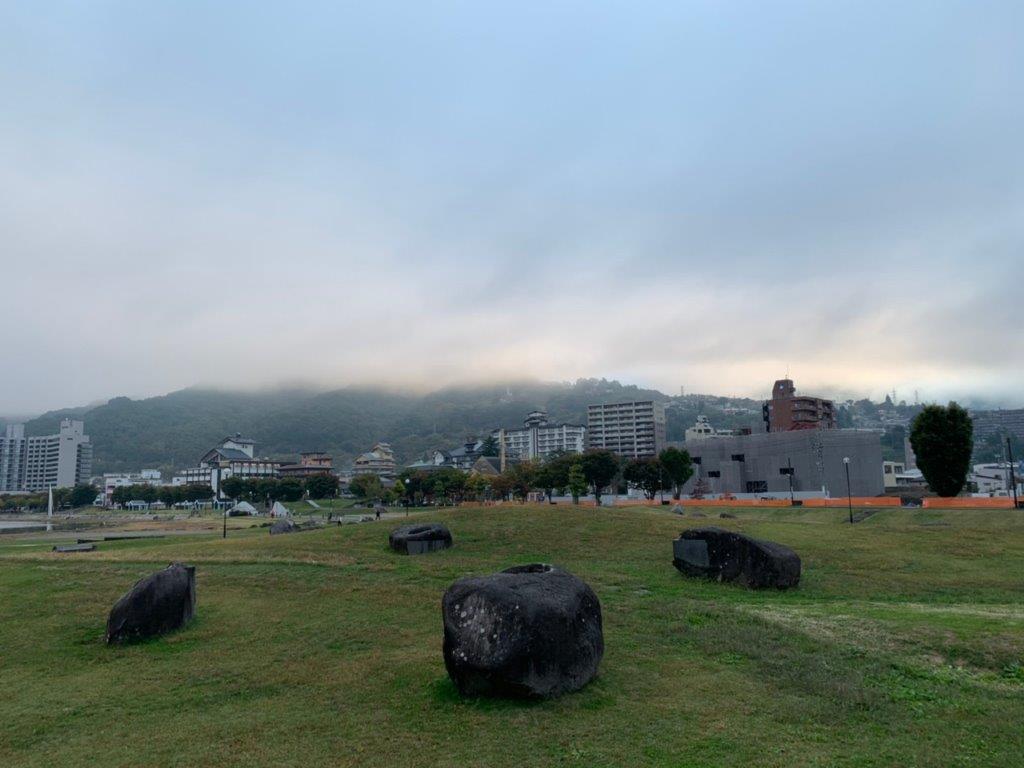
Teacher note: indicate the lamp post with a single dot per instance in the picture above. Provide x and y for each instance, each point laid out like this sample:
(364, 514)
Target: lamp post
(1013, 477)
(849, 493)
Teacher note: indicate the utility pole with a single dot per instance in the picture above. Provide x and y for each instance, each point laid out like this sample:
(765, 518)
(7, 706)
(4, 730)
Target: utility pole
(849, 494)
(789, 466)
(1013, 477)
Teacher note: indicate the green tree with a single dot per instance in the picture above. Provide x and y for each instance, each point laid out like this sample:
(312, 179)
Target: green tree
(646, 474)
(501, 485)
(577, 481)
(553, 475)
(81, 495)
(678, 468)
(943, 440)
(322, 486)
(490, 447)
(233, 487)
(366, 487)
(599, 468)
(171, 494)
(288, 489)
(477, 487)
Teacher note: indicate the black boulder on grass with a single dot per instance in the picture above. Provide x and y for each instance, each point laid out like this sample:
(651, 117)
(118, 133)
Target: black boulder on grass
(723, 555)
(159, 603)
(420, 539)
(533, 631)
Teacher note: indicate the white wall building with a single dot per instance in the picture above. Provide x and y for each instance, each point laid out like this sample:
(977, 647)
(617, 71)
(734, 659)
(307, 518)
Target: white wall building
(233, 457)
(702, 430)
(538, 438)
(114, 480)
(35, 464)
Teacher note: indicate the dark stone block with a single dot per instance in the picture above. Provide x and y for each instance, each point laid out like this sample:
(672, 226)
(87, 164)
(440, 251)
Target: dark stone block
(159, 603)
(420, 539)
(533, 631)
(283, 526)
(727, 516)
(728, 556)
(74, 548)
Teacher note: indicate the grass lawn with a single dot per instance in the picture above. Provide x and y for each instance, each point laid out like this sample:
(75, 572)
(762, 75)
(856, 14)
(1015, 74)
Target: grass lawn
(903, 646)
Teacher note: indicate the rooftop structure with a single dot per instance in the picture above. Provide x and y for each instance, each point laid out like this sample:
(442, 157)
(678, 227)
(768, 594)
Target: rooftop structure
(788, 411)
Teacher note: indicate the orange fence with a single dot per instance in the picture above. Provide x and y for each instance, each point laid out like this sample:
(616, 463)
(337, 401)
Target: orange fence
(858, 501)
(969, 503)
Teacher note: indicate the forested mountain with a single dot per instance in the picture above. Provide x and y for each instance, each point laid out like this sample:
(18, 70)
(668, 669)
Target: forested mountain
(172, 431)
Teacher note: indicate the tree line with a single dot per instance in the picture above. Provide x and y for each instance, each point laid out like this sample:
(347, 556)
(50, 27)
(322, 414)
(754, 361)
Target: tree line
(594, 472)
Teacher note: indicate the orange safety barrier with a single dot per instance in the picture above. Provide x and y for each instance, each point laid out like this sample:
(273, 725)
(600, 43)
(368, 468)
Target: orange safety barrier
(969, 503)
(857, 501)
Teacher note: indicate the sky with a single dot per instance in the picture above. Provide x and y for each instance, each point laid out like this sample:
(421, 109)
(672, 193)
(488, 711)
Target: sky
(675, 194)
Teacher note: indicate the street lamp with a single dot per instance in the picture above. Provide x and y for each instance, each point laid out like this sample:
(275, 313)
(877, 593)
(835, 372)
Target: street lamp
(849, 494)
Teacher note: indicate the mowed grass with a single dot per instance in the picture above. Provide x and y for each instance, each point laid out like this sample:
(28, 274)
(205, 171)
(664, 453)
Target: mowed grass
(903, 645)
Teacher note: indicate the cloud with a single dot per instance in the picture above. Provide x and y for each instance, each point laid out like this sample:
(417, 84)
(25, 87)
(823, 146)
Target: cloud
(668, 195)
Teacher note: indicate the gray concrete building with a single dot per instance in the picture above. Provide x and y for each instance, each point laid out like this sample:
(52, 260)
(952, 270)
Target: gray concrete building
(634, 429)
(49, 461)
(755, 463)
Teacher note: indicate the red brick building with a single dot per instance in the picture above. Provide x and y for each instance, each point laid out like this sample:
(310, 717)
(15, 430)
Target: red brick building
(787, 410)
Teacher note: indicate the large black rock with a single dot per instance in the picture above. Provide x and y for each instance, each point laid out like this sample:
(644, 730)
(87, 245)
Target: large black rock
(159, 603)
(728, 556)
(533, 631)
(284, 525)
(419, 539)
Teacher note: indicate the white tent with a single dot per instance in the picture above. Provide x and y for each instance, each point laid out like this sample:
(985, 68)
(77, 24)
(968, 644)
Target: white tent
(242, 508)
(279, 510)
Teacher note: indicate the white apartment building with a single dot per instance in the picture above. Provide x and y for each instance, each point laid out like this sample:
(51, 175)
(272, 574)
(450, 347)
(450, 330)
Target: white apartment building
(634, 429)
(35, 464)
(538, 438)
(114, 480)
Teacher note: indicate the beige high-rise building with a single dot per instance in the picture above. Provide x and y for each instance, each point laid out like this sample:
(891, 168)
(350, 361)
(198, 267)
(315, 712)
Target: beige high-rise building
(635, 429)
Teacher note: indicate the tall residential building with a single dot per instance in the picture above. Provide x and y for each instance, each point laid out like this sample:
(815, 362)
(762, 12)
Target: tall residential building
(12, 458)
(787, 410)
(539, 438)
(50, 461)
(635, 429)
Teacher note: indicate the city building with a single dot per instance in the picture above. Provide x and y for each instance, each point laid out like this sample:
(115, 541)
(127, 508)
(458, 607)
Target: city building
(310, 463)
(634, 429)
(233, 457)
(999, 422)
(890, 471)
(114, 480)
(760, 463)
(539, 438)
(993, 479)
(788, 411)
(380, 462)
(37, 463)
(702, 430)
(12, 459)
(463, 457)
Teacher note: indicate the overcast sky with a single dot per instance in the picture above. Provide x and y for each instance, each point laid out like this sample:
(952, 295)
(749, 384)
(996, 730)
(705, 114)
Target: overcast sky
(694, 194)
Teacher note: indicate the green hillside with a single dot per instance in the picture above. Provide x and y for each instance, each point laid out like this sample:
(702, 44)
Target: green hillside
(172, 431)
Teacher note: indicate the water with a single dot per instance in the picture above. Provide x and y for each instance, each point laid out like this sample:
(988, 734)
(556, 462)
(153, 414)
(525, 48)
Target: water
(21, 526)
